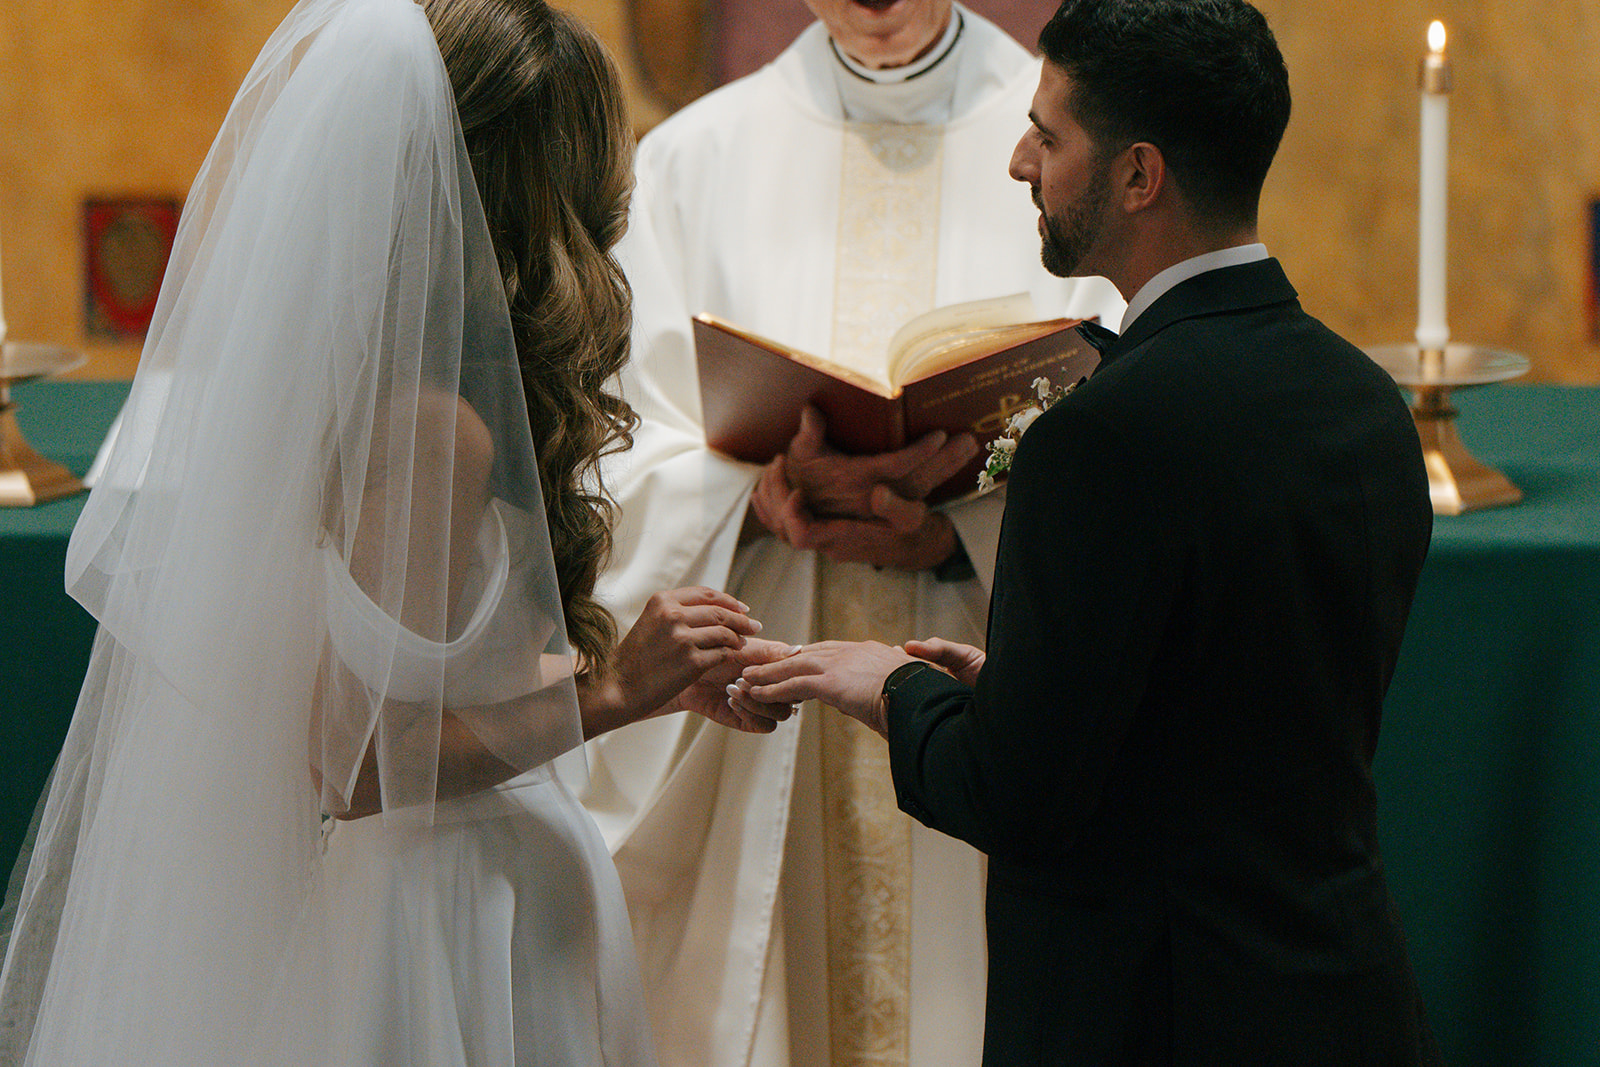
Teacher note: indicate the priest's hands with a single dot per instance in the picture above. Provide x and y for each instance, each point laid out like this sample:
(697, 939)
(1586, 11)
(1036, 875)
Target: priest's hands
(834, 483)
(862, 509)
(844, 674)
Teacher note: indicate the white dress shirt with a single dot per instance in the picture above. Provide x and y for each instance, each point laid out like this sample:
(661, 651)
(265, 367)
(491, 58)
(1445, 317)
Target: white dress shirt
(1181, 272)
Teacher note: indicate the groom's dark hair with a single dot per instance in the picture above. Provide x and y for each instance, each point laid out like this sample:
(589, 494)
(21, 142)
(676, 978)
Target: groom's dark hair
(1202, 80)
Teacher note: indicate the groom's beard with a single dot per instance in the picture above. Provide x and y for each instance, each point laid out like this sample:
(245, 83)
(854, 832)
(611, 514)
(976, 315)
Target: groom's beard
(1068, 238)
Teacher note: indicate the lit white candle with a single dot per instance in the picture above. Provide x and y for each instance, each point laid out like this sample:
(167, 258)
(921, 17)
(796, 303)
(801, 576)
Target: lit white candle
(1432, 193)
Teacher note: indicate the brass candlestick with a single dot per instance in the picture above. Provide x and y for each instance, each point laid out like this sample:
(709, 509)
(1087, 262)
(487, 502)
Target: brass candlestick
(1457, 480)
(26, 477)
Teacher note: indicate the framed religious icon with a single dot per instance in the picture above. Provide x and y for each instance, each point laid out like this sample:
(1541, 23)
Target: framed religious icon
(126, 244)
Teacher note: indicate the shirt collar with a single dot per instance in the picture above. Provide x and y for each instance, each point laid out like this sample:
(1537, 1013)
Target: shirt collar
(1158, 286)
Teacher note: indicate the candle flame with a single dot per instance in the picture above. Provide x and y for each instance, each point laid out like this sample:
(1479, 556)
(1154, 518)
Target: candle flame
(1436, 37)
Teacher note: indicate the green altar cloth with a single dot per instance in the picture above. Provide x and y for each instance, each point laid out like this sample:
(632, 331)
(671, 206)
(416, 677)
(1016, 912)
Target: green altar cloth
(44, 634)
(1488, 766)
(1489, 760)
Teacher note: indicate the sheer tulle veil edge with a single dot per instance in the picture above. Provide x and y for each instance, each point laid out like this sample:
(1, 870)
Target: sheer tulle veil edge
(267, 556)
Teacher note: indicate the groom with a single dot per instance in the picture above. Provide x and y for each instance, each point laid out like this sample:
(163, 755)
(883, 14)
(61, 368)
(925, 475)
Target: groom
(1209, 552)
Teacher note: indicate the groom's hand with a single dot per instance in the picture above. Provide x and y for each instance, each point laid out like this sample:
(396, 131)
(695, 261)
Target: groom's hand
(961, 662)
(846, 675)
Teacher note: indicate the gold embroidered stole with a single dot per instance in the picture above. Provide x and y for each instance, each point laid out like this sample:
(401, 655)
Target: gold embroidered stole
(888, 245)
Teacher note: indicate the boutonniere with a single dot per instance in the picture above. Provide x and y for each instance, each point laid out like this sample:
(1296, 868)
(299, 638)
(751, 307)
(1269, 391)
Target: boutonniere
(1004, 448)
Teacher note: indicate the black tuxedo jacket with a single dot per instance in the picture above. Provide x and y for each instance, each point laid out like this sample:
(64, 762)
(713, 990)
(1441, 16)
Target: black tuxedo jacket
(1208, 555)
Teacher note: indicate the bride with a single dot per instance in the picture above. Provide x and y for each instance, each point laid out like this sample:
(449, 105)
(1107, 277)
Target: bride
(316, 805)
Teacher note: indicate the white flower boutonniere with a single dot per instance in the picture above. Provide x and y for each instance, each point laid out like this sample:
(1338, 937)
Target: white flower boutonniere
(1004, 448)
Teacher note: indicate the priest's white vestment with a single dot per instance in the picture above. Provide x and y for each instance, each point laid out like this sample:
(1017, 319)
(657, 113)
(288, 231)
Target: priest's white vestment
(785, 913)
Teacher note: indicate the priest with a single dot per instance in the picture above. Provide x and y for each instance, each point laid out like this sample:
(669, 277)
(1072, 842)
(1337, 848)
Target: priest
(785, 912)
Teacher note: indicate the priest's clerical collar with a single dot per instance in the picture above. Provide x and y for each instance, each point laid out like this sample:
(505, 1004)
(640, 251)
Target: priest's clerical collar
(922, 91)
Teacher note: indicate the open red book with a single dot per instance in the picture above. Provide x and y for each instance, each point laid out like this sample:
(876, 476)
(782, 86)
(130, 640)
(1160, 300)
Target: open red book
(962, 368)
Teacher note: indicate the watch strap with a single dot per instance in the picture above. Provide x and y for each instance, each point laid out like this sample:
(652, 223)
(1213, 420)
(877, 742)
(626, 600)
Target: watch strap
(900, 674)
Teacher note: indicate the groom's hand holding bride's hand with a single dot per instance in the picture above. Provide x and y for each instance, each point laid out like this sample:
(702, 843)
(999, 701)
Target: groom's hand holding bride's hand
(844, 674)
(848, 675)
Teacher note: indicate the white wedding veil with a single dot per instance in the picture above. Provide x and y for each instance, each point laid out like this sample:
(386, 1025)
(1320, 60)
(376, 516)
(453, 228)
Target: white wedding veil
(318, 538)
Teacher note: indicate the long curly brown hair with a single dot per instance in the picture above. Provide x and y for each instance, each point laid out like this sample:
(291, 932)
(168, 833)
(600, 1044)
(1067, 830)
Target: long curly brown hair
(546, 127)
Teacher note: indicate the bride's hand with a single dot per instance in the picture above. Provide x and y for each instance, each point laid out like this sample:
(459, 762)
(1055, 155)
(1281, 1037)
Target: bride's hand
(708, 695)
(681, 634)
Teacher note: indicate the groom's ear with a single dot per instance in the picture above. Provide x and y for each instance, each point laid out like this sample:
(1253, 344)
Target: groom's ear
(1139, 176)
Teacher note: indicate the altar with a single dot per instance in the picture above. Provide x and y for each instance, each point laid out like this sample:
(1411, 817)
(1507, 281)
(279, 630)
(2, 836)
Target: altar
(1488, 767)
(44, 634)
(1489, 760)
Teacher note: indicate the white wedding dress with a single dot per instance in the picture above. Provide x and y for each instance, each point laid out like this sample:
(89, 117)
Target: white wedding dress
(269, 556)
(494, 949)
(497, 935)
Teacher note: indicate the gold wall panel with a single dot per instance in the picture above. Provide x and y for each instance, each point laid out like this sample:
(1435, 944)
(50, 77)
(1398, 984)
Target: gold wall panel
(104, 100)
(1340, 204)
(109, 99)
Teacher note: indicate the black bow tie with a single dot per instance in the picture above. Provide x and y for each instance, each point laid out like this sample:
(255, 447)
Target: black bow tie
(1098, 336)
